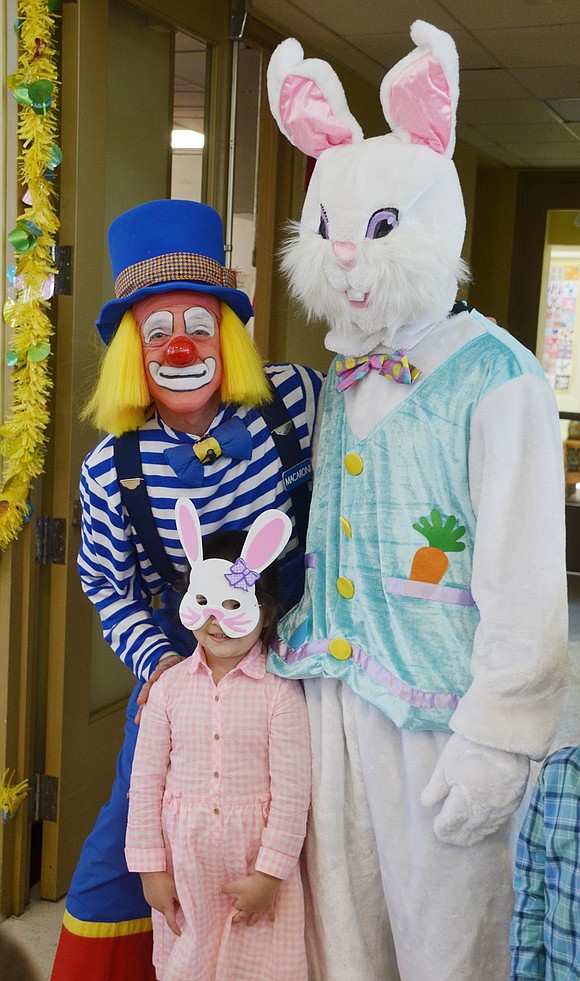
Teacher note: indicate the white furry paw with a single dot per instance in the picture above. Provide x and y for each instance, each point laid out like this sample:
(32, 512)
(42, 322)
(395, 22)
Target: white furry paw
(479, 789)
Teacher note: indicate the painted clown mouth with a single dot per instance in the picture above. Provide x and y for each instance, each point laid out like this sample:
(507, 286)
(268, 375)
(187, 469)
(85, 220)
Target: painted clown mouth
(183, 379)
(357, 298)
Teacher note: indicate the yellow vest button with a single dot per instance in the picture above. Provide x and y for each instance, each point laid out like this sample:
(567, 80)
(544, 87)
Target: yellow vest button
(345, 587)
(353, 463)
(346, 527)
(340, 648)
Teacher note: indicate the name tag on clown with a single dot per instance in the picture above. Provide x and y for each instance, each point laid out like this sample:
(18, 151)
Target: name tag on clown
(298, 474)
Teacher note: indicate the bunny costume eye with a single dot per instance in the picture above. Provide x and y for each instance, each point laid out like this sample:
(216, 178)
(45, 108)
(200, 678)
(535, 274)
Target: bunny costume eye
(323, 226)
(382, 223)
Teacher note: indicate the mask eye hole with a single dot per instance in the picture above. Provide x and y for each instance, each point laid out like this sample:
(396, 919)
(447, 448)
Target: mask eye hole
(382, 223)
(201, 600)
(231, 604)
(323, 226)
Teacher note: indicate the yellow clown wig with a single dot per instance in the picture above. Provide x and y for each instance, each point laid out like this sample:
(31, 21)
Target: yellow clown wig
(121, 399)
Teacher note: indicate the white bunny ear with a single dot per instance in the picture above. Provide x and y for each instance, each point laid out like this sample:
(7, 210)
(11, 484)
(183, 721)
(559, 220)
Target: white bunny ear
(189, 529)
(308, 101)
(267, 537)
(419, 95)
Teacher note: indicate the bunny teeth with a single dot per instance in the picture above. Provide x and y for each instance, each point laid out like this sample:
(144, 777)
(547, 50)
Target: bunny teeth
(357, 297)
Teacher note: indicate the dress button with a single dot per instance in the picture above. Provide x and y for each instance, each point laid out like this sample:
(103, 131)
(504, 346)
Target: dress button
(354, 463)
(216, 773)
(345, 587)
(216, 698)
(217, 735)
(216, 810)
(346, 527)
(340, 648)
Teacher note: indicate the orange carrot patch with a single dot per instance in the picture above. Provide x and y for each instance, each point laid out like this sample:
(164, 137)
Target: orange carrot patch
(430, 563)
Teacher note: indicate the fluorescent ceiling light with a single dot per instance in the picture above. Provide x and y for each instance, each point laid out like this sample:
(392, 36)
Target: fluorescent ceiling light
(186, 139)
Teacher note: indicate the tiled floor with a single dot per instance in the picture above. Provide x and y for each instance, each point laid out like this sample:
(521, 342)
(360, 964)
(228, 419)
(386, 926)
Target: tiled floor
(38, 928)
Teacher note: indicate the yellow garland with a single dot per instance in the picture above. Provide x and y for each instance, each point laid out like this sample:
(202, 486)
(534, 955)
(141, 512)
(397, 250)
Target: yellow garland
(23, 435)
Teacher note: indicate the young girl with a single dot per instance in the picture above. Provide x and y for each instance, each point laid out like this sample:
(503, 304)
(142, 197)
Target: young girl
(220, 787)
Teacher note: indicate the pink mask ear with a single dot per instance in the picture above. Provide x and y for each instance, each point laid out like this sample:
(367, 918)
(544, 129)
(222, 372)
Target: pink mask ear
(267, 537)
(189, 529)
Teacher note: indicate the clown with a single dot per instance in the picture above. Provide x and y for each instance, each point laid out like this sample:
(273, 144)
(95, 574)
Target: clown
(191, 412)
(432, 632)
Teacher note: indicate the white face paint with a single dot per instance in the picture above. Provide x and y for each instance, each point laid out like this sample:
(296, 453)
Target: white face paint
(158, 329)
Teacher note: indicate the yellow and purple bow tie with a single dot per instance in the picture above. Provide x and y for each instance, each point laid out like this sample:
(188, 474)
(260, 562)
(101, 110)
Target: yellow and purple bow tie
(395, 366)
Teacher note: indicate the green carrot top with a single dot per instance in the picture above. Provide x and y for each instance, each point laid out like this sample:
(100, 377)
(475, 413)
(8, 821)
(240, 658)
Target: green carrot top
(446, 536)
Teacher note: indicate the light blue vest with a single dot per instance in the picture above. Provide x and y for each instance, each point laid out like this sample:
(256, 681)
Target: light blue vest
(403, 644)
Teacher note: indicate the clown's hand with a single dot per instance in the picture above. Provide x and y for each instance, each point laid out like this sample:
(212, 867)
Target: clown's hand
(480, 788)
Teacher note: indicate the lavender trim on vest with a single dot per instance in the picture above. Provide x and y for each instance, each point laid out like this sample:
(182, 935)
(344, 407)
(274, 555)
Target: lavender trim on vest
(374, 671)
(430, 591)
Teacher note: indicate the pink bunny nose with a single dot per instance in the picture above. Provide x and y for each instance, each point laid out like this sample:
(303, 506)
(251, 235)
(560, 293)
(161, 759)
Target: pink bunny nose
(345, 253)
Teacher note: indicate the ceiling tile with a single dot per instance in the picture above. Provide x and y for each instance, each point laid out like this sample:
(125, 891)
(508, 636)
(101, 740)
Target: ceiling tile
(507, 111)
(470, 135)
(551, 83)
(527, 133)
(558, 154)
(529, 47)
(389, 48)
(489, 83)
(513, 13)
(344, 17)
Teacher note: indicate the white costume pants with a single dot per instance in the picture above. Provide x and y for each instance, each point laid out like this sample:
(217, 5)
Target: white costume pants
(386, 900)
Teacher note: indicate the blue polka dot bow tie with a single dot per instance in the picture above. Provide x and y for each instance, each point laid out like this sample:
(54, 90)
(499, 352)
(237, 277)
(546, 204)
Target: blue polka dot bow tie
(188, 460)
(394, 366)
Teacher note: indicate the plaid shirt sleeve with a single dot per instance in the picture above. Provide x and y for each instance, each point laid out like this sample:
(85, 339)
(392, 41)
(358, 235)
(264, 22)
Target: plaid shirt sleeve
(545, 934)
(527, 929)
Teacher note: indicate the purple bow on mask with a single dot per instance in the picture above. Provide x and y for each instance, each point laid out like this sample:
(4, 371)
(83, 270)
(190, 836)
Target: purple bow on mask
(240, 576)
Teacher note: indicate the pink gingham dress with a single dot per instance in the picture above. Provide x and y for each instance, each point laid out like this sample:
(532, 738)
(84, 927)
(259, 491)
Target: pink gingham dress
(220, 788)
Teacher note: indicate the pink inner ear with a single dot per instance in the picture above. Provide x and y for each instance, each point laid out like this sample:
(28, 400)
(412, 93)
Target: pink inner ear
(420, 103)
(308, 118)
(265, 545)
(189, 533)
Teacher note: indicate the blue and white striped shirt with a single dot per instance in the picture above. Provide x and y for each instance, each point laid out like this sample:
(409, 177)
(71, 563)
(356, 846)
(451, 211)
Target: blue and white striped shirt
(545, 932)
(114, 568)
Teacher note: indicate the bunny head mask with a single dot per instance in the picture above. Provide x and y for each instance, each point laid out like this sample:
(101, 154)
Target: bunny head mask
(219, 588)
(379, 243)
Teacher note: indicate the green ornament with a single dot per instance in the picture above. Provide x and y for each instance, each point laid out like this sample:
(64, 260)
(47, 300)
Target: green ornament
(11, 358)
(39, 352)
(54, 157)
(53, 5)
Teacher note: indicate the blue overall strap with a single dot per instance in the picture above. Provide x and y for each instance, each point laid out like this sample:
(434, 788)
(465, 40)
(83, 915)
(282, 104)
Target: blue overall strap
(137, 504)
(136, 499)
(296, 468)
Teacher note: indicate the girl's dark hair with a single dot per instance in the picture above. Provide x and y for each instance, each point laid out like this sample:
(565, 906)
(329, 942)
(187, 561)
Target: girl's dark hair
(228, 545)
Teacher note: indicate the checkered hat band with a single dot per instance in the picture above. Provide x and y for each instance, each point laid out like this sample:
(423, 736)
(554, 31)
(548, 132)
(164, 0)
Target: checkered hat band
(173, 268)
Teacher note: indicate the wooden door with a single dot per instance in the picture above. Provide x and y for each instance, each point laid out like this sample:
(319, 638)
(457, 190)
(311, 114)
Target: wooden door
(116, 122)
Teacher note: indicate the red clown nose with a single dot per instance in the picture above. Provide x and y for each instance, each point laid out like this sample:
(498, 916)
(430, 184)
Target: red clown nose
(180, 351)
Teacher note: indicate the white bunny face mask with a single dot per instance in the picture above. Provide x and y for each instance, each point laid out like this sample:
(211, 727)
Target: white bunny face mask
(379, 243)
(219, 588)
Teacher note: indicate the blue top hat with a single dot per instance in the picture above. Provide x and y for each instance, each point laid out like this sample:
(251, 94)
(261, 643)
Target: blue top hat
(168, 245)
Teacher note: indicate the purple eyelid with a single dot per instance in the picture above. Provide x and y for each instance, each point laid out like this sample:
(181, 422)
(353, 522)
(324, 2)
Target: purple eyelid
(390, 215)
